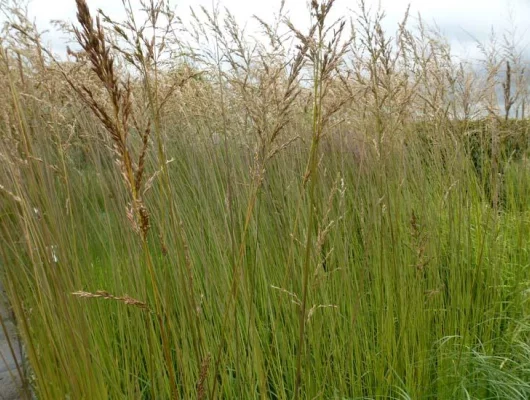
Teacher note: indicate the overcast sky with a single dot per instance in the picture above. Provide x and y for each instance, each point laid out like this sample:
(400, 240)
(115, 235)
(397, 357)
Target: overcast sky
(458, 19)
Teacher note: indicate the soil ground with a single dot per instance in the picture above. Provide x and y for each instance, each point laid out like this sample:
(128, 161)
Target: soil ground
(9, 376)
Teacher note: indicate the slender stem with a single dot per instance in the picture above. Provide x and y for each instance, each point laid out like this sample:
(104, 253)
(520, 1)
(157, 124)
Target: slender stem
(311, 174)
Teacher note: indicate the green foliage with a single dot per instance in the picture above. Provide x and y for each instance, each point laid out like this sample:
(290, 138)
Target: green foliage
(420, 287)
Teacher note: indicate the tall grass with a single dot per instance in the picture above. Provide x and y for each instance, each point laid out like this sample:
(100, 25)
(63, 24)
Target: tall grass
(313, 214)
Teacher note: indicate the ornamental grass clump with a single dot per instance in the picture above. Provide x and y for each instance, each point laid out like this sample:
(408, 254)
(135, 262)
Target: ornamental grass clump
(191, 207)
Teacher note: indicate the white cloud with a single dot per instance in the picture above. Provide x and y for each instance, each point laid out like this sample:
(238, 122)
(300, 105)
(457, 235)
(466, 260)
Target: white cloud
(458, 19)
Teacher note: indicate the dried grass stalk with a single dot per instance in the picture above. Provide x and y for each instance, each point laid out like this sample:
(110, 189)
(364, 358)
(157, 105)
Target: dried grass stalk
(102, 294)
